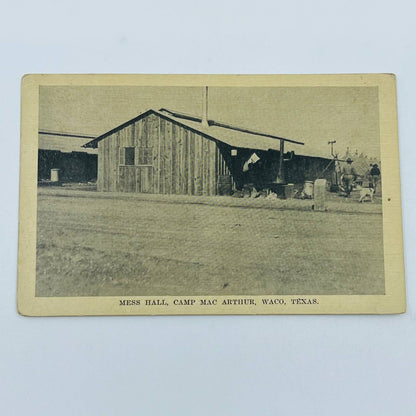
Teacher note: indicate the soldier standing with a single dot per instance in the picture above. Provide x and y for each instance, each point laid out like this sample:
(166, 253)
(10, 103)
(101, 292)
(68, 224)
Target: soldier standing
(375, 176)
(348, 176)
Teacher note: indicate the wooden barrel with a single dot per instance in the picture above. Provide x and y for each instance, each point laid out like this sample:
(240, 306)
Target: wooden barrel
(289, 190)
(308, 189)
(224, 185)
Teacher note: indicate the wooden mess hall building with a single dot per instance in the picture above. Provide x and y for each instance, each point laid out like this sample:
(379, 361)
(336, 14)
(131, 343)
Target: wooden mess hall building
(162, 151)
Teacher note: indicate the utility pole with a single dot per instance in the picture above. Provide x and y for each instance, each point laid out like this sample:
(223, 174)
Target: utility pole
(334, 160)
(204, 120)
(281, 171)
(332, 142)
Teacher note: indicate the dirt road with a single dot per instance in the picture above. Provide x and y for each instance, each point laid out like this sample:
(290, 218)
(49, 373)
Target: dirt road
(93, 244)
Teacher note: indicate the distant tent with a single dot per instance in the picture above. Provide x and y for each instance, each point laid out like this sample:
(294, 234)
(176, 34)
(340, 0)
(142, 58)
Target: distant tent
(360, 162)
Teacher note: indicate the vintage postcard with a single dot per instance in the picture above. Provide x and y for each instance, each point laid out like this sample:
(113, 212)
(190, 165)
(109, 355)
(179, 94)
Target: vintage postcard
(210, 194)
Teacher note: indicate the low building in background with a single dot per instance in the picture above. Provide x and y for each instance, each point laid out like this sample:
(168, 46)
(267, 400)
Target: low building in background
(65, 151)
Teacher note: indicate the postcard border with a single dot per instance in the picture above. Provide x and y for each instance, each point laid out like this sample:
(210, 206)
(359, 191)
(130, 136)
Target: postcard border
(392, 302)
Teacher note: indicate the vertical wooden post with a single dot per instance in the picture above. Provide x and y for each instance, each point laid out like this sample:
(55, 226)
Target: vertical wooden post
(158, 156)
(319, 195)
(189, 177)
(281, 172)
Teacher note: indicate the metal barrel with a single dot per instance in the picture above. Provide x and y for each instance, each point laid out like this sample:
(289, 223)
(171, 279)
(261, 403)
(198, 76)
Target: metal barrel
(55, 175)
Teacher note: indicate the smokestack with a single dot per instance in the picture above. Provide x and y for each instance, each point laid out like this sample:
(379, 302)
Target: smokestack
(204, 121)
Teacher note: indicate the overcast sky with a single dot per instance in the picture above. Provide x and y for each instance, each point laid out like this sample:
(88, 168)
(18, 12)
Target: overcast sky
(313, 115)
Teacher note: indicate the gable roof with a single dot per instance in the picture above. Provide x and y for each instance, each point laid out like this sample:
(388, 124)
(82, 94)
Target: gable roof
(237, 137)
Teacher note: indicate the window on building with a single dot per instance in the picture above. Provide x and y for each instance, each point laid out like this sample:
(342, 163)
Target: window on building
(136, 156)
(129, 156)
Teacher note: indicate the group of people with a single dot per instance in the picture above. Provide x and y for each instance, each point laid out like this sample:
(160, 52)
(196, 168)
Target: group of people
(349, 176)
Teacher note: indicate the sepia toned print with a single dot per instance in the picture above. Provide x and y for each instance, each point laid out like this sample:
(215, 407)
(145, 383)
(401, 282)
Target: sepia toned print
(166, 196)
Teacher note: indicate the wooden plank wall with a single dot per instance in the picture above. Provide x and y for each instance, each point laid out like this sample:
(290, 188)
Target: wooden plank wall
(182, 162)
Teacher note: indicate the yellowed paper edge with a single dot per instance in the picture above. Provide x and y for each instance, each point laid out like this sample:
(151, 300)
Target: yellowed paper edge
(392, 302)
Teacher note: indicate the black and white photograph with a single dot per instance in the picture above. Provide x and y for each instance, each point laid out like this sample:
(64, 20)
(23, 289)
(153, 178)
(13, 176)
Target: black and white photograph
(207, 208)
(209, 190)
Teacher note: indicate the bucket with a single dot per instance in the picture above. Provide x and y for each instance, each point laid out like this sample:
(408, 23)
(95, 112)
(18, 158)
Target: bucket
(55, 175)
(308, 189)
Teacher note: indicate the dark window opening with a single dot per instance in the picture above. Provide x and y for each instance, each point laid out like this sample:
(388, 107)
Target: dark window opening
(129, 155)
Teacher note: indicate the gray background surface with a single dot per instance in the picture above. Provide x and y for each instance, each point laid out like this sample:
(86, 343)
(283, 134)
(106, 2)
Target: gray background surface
(268, 365)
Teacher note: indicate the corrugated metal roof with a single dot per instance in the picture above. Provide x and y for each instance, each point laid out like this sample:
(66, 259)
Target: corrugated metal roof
(64, 143)
(233, 138)
(240, 139)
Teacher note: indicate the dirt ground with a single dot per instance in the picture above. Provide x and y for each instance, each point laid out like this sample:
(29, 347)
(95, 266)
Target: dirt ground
(102, 244)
